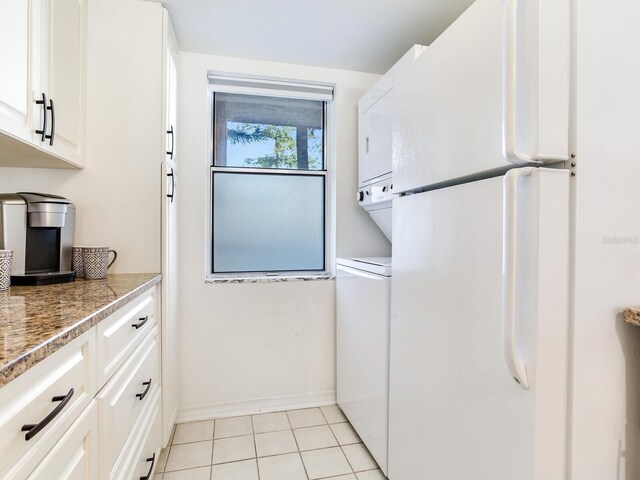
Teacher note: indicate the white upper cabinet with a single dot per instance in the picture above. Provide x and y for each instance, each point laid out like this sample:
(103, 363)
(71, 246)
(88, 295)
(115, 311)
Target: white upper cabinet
(15, 97)
(491, 91)
(171, 85)
(61, 76)
(42, 90)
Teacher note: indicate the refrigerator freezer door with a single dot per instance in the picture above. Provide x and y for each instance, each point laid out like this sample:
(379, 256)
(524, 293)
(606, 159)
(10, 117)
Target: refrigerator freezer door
(492, 90)
(455, 410)
(363, 310)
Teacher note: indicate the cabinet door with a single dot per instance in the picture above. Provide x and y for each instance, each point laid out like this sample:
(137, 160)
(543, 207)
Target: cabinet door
(169, 302)
(170, 239)
(62, 76)
(171, 85)
(15, 106)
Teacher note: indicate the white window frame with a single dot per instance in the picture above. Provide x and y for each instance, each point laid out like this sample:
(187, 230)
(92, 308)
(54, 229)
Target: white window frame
(329, 184)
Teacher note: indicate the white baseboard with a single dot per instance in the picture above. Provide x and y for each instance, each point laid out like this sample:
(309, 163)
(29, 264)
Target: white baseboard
(260, 405)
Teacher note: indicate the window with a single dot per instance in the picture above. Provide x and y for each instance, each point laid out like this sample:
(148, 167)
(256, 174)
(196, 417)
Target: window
(268, 178)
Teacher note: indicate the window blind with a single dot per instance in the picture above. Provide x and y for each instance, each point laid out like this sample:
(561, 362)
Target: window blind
(269, 87)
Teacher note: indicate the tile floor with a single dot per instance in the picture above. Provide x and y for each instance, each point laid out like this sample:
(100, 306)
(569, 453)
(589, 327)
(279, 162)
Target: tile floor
(307, 444)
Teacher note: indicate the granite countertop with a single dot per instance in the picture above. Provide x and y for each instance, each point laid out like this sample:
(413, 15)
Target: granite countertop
(632, 315)
(37, 321)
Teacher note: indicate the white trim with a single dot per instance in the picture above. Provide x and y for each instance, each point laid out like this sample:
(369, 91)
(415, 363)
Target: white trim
(255, 406)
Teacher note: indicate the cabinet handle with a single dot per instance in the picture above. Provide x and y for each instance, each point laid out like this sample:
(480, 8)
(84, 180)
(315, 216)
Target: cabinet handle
(366, 143)
(146, 390)
(151, 459)
(173, 142)
(173, 186)
(43, 102)
(33, 429)
(53, 122)
(140, 323)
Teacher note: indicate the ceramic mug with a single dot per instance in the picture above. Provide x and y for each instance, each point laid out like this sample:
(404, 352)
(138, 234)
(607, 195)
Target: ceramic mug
(77, 265)
(96, 261)
(6, 259)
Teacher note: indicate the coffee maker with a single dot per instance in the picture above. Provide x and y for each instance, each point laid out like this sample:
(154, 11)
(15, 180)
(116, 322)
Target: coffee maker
(38, 227)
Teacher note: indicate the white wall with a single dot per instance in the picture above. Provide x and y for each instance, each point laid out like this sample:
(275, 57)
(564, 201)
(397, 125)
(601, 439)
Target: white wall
(605, 402)
(269, 345)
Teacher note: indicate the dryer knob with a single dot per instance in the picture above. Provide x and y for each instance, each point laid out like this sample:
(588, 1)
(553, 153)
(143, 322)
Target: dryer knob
(360, 196)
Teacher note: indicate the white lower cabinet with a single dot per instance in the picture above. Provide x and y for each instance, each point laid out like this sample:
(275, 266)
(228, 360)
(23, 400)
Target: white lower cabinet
(124, 399)
(37, 408)
(139, 456)
(67, 418)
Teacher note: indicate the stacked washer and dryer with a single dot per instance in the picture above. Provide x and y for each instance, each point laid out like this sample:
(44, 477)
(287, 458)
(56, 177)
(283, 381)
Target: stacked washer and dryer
(364, 284)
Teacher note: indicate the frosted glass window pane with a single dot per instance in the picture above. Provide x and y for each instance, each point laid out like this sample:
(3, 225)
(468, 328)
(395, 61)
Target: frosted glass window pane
(268, 132)
(267, 222)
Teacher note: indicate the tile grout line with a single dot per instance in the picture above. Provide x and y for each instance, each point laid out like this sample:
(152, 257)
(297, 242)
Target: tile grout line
(255, 446)
(213, 443)
(164, 469)
(297, 446)
(338, 442)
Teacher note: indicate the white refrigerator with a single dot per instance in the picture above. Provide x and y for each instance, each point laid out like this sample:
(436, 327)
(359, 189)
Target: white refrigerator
(498, 249)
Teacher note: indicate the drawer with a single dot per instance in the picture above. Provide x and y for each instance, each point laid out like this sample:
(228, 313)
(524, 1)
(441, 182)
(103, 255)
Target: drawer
(144, 463)
(119, 334)
(50, 396)
(142, 449)
(126, 395)
(74, 456)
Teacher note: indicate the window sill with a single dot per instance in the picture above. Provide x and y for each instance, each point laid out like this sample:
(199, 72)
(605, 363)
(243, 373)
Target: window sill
(269, 278)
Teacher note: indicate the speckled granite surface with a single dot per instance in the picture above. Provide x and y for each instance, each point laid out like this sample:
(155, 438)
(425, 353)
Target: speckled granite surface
(267, 279)
(37, 321)
(632, 315)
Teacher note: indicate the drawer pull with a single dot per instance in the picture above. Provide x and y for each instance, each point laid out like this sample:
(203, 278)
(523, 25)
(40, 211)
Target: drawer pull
(33, 429)
(141, 322)
(146, 390)
(153, 461)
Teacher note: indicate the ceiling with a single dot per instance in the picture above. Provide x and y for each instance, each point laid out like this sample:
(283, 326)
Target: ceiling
(363, 35)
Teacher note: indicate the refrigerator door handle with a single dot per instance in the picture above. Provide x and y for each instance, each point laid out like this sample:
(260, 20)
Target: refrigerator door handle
(514, 363)
(510, 93)
(509, 122)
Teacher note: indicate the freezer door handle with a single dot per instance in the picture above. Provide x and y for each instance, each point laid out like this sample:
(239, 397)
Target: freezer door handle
(509, 124)
(509, 101)
(514, 363)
